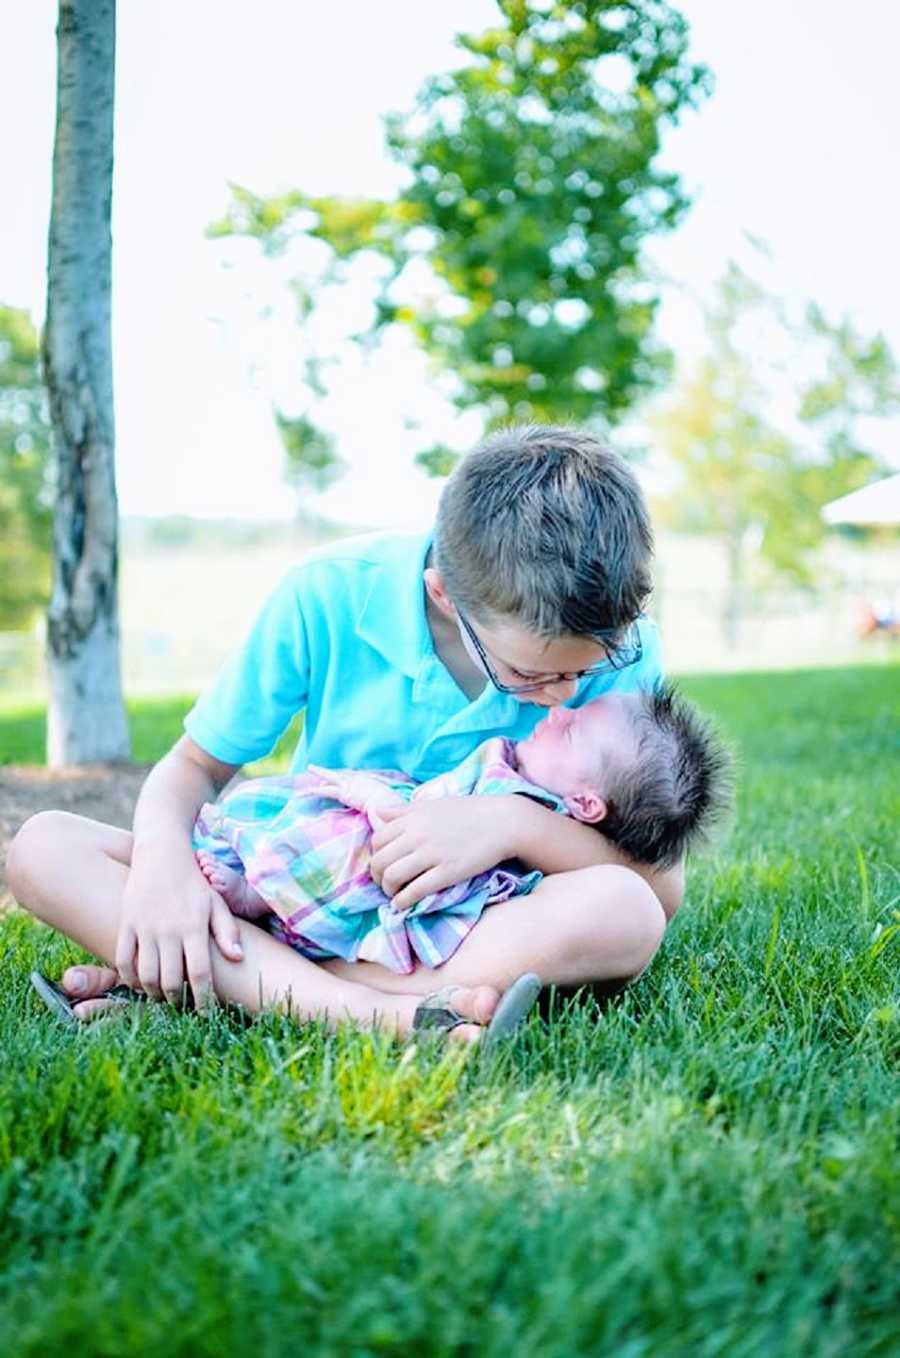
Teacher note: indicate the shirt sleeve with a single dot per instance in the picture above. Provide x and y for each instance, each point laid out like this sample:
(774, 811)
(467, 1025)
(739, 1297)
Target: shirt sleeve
(650, 667)
(246, 708)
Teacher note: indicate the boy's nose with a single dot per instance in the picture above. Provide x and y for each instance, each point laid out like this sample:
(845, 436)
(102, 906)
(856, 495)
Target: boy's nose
(560, 692)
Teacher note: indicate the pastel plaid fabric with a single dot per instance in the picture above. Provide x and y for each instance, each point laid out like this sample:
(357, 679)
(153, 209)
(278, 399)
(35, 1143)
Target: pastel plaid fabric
(308, 857)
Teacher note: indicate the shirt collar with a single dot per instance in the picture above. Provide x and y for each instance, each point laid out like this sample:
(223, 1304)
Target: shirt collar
(398, 633)
(403, 637)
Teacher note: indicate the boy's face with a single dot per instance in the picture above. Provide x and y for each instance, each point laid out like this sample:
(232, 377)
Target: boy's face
(519, 657)
(565, 751)
(515, 655)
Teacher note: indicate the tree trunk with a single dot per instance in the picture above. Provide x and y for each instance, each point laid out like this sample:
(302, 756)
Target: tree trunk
(87, 719)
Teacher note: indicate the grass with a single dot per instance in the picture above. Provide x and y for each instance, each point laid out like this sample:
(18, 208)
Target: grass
(707, 1166)
(155, 725)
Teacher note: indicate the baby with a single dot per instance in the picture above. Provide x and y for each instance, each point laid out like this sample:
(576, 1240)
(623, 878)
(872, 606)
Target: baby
(643, 767)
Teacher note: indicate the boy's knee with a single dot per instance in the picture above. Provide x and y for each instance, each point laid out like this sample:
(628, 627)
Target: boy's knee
(651, 928)
(39, 836)
(640, 921)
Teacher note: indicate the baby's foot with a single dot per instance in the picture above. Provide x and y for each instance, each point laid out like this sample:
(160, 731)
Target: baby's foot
(237, 893)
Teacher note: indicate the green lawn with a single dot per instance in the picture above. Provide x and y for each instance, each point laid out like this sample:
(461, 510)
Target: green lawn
(155, 723)
(709, 1166)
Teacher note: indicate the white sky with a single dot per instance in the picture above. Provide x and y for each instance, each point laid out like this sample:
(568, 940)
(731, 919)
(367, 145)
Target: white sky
(799, 146)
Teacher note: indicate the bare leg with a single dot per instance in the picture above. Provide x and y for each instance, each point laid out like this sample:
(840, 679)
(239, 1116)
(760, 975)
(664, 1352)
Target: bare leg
(70, 872)
(598, 924)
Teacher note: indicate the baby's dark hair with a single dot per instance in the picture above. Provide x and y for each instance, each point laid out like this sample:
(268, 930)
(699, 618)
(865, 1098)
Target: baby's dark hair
(676, 788)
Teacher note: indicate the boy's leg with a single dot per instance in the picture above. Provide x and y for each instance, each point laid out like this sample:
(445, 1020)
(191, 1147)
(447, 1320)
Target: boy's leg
(599, 924)
(71, 872)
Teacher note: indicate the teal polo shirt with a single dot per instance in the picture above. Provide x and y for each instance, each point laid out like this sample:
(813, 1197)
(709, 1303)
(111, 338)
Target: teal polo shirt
(345, 639)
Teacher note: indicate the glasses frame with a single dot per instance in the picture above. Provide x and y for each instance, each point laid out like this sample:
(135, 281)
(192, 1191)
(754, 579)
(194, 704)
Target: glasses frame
(611, 665)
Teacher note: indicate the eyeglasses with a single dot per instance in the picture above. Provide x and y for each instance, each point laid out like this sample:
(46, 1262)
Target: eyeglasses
(623, 649)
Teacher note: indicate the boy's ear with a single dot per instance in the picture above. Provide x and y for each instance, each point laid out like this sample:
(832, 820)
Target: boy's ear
(586, 806)
(437, 591)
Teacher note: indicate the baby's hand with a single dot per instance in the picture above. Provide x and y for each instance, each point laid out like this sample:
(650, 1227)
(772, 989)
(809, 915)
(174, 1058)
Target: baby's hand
(362, 791)
(344, 785)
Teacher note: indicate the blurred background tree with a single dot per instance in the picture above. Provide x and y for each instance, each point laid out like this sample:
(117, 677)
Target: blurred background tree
(767, 429)
(25, 491)
(311, 458)
(531, 186)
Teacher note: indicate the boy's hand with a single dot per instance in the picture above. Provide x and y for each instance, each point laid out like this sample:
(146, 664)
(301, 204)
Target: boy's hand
(168, 924)
(429, 845)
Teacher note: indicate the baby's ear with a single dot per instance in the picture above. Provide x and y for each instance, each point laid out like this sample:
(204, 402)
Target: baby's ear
(586, 806)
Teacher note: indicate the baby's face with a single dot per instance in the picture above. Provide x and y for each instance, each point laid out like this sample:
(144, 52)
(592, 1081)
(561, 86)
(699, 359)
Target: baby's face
(564, 750)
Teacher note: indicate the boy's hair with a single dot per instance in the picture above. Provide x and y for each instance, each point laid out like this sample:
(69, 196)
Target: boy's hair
(548, 526)
(676, 787)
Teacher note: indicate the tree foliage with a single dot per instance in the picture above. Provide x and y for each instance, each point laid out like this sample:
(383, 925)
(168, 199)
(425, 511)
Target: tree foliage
(25, 508)
(312, 462)
(531, 184)
(766, 430)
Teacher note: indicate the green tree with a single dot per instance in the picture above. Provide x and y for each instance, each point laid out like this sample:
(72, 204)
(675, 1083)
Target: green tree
(763, 434)
(531, 186)
(25, 513)
(312, 462)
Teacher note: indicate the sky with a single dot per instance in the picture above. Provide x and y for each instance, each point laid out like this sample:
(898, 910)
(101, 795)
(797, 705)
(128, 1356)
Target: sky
(798, 147)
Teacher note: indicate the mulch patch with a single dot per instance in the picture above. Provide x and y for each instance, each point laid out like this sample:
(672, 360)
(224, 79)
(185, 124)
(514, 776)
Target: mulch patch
(104, 792)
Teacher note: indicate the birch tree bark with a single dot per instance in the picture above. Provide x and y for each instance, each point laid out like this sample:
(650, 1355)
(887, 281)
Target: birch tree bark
(86, 720)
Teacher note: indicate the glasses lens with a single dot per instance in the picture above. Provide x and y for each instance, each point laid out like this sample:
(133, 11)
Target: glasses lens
(623, 648)
(622, 658)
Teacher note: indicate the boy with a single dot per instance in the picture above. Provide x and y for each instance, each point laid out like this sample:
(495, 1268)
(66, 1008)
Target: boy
(402, 653)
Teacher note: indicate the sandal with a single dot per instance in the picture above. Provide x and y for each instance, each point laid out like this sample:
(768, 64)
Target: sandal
(60, 1003)
(436, 1010)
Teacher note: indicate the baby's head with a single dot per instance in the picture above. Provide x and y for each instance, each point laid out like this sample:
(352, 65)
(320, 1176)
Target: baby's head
(645, 768)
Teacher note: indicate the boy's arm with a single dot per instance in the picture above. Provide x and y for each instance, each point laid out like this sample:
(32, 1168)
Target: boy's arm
(170, 914)
(171, 917)
(555, 843)
(430, 845)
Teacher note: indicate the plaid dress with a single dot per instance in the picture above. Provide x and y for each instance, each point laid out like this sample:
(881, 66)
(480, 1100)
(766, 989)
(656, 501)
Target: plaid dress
(308, 857)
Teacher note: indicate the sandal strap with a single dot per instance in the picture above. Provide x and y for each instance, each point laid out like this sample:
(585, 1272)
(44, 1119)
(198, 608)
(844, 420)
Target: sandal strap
(61, 1004)
(54, 998)
(436, 1011)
